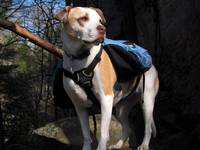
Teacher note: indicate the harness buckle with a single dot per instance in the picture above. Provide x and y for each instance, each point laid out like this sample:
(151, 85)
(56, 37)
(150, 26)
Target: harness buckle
(86, 74)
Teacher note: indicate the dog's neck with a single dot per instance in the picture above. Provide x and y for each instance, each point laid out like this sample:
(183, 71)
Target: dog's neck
(75, 47)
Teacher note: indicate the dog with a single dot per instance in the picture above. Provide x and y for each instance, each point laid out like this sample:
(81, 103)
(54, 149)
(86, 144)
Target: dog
(82, 34)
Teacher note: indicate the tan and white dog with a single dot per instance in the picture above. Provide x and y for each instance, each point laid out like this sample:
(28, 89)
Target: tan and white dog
(82, 34)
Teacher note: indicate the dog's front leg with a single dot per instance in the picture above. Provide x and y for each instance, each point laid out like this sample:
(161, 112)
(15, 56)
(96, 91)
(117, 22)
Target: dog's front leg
(84, 121)
(106, 113)
(78, 98)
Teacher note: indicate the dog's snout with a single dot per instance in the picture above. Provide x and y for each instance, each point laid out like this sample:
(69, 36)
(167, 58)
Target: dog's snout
(101, 28)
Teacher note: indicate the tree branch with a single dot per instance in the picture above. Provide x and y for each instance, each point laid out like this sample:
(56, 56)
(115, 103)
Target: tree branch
(31, 37)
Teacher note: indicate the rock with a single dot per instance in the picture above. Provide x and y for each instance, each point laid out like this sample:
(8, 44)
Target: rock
(66, 131)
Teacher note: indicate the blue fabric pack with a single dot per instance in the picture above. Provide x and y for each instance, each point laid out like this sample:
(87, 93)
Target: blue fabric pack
(142, 54)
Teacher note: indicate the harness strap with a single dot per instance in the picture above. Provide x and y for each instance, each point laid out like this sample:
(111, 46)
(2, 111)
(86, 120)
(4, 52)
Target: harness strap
(96, 60)
(84, 76)
(143, 82)
(137, 83)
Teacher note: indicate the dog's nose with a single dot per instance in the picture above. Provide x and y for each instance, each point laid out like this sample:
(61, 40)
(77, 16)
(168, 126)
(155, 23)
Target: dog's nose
(101, 28)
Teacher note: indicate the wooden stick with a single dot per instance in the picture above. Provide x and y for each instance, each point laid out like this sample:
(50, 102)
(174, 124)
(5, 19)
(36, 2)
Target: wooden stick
(14, 27)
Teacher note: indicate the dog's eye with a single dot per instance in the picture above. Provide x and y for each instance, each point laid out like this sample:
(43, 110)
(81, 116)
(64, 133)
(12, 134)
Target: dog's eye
(84, 18)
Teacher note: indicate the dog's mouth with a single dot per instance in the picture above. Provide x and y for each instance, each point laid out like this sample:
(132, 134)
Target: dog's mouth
(95, 42)
(98, 40)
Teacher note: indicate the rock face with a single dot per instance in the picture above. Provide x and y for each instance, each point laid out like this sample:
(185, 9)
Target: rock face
(66, 133)
(179, 51)
(176, 54)
(62, 134)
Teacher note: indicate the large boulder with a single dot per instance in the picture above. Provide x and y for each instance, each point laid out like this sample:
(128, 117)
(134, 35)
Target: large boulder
(66, 133)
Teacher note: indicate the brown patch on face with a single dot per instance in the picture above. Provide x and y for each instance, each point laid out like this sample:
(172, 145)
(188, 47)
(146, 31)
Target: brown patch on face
(108, 76)
(76, 15)
(83, 19)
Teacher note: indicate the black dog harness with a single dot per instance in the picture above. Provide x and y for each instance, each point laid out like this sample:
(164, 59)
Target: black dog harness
(84, 76)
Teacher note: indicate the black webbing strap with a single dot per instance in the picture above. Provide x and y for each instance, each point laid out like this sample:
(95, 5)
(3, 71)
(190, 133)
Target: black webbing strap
(143, 75)
(96, 60)
(84, 76)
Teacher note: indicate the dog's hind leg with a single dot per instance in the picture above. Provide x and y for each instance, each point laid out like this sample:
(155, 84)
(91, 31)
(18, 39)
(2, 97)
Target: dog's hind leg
(149, 123)
(122, 112)
(151, 89)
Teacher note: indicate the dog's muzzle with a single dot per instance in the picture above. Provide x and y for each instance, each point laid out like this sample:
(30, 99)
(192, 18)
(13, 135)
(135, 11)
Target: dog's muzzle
(101, 33)
(101, 29)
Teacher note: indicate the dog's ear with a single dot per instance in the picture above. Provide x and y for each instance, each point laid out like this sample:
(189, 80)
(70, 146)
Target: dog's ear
(100, 14)
(62, 15)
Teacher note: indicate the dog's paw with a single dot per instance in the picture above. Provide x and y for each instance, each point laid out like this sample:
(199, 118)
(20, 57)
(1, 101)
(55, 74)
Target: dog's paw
(114, 147)
(143, 147)
(118, 145)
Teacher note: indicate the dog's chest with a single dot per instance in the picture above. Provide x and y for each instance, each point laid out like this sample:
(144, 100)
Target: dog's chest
(73, 90)
(84, 96)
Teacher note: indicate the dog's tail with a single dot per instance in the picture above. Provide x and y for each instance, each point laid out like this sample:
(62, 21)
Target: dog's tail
(153, 127)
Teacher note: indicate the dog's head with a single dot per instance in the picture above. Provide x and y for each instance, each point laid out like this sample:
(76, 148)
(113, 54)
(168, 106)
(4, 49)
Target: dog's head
(83, 23)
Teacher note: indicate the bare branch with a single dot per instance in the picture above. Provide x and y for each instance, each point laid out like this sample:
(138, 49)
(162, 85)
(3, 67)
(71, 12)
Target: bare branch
(31, 37)
(15, 9)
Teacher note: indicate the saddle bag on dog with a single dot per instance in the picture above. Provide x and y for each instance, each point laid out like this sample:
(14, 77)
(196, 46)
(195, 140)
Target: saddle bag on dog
(129, 60)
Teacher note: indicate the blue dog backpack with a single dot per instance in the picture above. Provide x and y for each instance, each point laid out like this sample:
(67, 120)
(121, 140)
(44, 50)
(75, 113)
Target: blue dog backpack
(129, 60)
